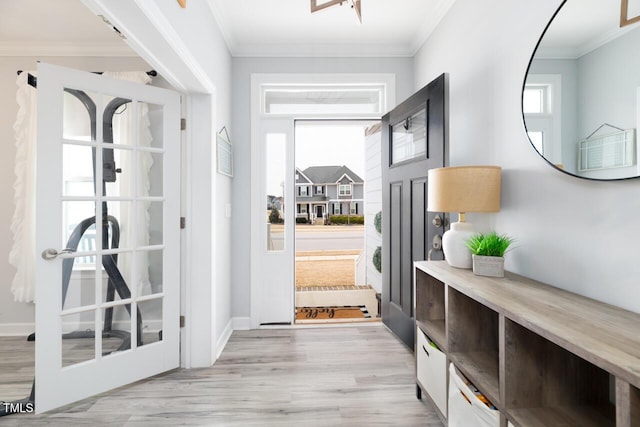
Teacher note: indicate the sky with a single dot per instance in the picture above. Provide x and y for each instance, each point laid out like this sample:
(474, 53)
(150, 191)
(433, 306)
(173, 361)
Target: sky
(317, 145)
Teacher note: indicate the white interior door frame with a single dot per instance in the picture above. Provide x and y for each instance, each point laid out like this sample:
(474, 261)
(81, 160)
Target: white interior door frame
(155, 40)
(275, 281)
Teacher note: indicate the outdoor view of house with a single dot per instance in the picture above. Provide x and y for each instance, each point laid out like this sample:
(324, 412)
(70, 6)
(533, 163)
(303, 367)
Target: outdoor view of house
(329, 194)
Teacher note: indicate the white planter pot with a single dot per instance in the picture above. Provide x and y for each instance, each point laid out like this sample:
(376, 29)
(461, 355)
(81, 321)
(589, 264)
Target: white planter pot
(492, 266)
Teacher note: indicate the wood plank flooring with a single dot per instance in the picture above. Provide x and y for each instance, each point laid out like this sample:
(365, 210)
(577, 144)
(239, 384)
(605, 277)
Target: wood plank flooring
(341, 376)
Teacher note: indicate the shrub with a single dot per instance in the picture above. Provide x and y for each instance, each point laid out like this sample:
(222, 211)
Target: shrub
(301, 220)
(377, 259)
(346, 219)
(274, 217)
(377, 222)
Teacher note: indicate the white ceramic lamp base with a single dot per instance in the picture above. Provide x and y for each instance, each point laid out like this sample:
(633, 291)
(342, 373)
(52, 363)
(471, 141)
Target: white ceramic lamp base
(455, 247)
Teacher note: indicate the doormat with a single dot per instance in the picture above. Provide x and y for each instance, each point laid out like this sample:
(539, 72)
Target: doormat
(332, 313)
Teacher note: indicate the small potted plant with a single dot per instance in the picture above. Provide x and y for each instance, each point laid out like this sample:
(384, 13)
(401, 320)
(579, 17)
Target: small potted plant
(488, 253)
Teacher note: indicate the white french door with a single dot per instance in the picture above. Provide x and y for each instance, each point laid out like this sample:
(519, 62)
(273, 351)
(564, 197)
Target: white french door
(107, 235)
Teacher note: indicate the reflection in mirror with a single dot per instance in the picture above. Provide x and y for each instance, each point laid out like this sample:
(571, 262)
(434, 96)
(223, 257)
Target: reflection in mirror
(581, 95)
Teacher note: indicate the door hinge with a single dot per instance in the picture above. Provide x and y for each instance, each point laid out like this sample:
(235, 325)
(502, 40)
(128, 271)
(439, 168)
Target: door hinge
(183, 124)
(183, 222)
(182, 321)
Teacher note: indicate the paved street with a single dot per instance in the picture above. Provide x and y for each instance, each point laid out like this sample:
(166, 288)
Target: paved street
(324, 238)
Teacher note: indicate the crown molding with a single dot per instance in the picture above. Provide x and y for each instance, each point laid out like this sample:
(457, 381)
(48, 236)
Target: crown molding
(583, 49)
(430, 25)
(223, 26)
(65, 49)
(330, 50)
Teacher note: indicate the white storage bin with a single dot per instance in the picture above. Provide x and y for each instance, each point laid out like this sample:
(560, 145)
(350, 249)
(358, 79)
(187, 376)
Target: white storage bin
(468, 413)
(432, 371)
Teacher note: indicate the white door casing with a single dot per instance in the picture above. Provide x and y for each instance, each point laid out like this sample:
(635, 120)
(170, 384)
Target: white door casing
(273, 272)
(68, 370)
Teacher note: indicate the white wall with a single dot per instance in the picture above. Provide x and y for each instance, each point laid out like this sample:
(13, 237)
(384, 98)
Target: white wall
(576, 234)
(241, 114)
(18, 318)
(373, 205)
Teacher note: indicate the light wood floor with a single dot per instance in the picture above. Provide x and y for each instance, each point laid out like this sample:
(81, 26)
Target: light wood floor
(347, 376)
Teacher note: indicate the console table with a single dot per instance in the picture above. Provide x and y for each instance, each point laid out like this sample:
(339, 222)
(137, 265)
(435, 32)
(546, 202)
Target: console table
(543, 356)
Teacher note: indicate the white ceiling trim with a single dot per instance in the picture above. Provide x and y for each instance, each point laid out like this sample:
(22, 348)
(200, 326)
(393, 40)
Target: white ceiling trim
(430, 25)
(65, 49)
(343, 50)
(222, 26)
(152, 11)
(591, 45)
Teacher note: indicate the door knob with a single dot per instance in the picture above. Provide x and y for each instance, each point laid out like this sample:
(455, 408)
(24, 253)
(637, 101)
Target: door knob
(51, 253)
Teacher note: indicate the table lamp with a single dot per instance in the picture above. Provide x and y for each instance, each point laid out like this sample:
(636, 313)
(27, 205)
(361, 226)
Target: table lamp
(462, 189)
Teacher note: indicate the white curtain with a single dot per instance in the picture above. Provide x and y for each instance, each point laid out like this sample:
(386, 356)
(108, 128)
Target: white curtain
(23, 253)
(23, 224)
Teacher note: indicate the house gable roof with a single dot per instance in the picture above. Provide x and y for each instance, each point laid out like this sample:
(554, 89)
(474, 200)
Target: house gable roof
(330, 174)
(301, 178)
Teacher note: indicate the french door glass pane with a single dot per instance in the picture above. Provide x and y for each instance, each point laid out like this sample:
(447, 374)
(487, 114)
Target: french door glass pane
(78, 115)
(151, 313)
(120, 319)
(78, 337)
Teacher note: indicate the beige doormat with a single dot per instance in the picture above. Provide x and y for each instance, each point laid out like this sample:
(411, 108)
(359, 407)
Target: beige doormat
(330, 314)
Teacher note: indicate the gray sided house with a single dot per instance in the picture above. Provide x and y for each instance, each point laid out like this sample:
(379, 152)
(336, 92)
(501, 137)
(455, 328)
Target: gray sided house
(322, 191)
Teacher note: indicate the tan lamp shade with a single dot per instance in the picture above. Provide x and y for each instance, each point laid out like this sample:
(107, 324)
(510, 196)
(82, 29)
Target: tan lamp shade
(464, 189)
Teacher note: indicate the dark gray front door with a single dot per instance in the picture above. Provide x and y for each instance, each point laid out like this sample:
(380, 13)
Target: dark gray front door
(414, 137)
(319, 212)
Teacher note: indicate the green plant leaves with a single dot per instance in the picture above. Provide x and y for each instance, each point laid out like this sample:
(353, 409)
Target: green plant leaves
(490, 244)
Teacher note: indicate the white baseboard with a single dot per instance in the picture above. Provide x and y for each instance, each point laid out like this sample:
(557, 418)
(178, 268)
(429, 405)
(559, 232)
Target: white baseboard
(224, 338)
(241, 323)
(17, 329)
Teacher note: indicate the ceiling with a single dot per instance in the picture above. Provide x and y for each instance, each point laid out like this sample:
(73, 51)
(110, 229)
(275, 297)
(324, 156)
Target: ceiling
(250, 28)
(287, 27)
(60, 27)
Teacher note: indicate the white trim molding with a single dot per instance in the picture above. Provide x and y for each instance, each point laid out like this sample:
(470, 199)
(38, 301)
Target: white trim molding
(66, 49)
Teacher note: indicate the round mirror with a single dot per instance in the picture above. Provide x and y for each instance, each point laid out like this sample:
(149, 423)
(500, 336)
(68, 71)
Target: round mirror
(581, 95)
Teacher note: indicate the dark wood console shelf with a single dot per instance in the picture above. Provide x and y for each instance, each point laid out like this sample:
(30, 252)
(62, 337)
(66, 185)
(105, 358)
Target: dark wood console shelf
(542, 355)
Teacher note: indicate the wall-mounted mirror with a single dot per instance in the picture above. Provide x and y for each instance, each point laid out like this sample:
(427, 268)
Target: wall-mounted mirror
(581, 95)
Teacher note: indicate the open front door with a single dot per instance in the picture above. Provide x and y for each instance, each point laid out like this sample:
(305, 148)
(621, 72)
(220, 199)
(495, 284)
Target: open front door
(414, 141)
(107, 234)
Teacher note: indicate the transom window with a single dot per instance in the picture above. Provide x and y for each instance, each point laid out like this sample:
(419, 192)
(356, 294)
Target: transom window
(323, 99)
